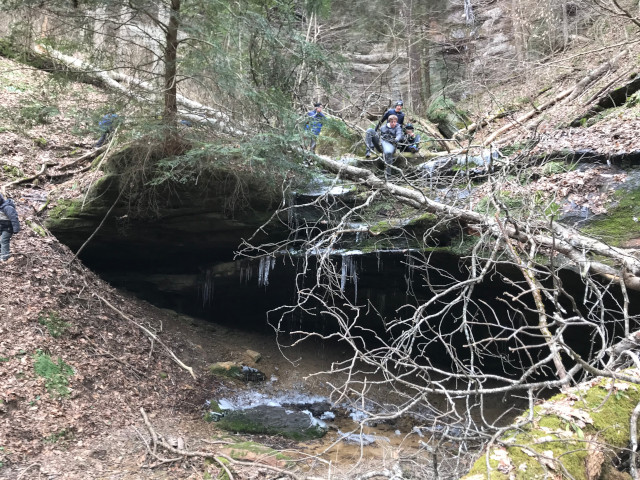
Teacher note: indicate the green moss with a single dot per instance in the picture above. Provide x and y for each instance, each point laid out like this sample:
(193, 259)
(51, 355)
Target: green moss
(617, 226)
(223, 473)
(382, 226)
(239, 423)
(214, 407)
(610, 410)
(12, 172)
(336, 138)
(463, 245)
(65, 209)
(234, 371)
(425, 220)
(237, 450)
(611, 417)
(555, 167)
(36, 228)
(480, 467)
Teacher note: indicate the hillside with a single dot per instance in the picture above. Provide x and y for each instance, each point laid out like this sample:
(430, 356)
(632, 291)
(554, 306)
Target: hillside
(77, 363)
(86, 423)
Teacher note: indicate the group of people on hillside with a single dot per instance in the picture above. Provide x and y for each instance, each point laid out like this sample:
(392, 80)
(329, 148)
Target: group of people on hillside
(389, 134)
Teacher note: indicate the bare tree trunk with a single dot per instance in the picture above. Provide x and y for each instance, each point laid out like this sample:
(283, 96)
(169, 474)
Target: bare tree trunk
(170, 116)
(565, 26)
(170, 72)
(518, 38)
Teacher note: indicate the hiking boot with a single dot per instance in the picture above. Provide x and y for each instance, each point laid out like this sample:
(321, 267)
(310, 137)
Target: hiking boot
(8, 260)
(368, 154)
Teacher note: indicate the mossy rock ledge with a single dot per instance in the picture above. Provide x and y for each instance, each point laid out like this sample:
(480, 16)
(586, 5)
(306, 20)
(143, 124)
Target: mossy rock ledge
(189, 221)
(572, 435)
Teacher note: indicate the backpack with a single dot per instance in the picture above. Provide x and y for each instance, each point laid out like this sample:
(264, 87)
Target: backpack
(8, 208)
(107, 122)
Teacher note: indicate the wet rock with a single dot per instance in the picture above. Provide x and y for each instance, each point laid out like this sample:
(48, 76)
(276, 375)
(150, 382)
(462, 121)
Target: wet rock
(253, 355)
(237, 371)
(272, 420)
(317, 409)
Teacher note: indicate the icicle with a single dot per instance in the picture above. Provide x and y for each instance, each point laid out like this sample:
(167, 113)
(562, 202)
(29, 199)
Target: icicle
(207, 288)
(246, 272)
(266, 265)
(261, 272)
(349, 270)
(343, 279)
(354, 274)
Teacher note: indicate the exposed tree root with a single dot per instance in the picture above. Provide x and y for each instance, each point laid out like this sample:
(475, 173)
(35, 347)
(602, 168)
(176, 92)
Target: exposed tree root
(87, 156)
(40, 172)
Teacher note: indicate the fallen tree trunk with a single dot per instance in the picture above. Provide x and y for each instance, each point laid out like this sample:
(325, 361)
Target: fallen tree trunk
(472, 128)
(569, 94)
(197, 111)
(569, 242)
(595, 74)
(527, 116)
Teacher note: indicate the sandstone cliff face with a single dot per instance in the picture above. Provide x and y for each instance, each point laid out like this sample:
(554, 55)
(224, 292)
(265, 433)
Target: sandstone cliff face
(448, 48)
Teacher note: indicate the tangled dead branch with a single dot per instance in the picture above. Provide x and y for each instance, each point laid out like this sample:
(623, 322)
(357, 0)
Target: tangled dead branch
(157, 442)
(560, 313)
(556, 237)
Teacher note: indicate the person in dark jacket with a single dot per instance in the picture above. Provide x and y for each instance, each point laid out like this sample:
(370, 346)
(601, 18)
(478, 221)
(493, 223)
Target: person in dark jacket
(9, 224)
(107, 125)
(384, 142)
(397, 111)
(314, 124)
(411, 141)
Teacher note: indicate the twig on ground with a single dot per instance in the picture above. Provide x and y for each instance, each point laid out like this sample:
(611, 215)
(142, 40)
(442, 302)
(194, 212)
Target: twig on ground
(27, 469)
(224, 467)
(150, 334)
(215, 456)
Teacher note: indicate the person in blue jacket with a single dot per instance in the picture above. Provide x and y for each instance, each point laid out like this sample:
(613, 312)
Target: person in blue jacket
(107, 125)
(385, 141)
(9, 224)
(397, 111)
(314, 124)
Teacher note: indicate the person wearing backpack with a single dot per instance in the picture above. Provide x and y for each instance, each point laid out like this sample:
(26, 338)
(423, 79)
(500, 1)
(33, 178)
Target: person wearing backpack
(9, 224)
(107, 125)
